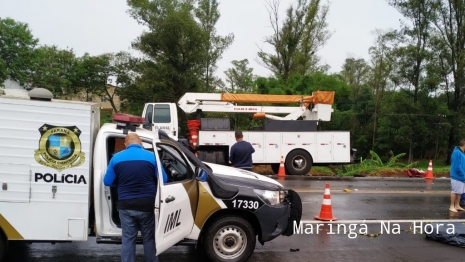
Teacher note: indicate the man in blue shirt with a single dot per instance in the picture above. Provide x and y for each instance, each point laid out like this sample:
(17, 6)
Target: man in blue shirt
(134, 172)
(457, 176)
(241, 153)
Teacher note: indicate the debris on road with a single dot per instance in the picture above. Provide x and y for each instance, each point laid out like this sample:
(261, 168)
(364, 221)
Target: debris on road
(413, 172)
(444, 234)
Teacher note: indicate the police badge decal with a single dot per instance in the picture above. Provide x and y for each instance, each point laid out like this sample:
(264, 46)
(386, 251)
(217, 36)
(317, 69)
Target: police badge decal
(59, 147)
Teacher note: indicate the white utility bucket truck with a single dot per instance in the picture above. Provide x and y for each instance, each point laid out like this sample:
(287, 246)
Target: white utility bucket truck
(54, 154)
(298, 143)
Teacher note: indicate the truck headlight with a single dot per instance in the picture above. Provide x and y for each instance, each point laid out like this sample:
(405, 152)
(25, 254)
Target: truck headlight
(270, 197)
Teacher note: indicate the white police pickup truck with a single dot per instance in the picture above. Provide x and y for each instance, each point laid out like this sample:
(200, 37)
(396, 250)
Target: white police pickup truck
(54, 154)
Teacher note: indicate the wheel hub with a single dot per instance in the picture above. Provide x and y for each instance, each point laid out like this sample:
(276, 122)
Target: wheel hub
(299, 162)
(230, 242)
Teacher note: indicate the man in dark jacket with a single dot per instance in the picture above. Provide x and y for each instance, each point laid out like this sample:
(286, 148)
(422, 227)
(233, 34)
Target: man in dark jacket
(134, 172)
(241, 153)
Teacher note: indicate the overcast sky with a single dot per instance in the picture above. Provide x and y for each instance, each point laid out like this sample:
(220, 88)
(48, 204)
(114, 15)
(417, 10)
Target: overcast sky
(99, 26)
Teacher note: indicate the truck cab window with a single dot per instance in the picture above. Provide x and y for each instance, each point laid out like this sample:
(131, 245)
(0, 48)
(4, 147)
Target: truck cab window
(175, 165)
(162, 114)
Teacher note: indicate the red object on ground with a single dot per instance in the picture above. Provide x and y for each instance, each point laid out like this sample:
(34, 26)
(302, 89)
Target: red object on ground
(413, 172)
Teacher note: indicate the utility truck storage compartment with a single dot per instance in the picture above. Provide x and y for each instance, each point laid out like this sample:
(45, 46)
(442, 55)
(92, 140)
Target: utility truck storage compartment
(212, 157)
(214, 124)
(290, 125)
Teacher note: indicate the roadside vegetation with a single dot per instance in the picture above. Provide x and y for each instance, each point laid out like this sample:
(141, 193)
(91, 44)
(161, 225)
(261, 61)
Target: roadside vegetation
(406, 96)
(394, 166)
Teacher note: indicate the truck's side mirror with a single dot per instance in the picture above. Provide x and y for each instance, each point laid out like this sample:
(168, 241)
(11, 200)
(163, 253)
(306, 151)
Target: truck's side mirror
(148, 121)
(200, 174)
(150, 117)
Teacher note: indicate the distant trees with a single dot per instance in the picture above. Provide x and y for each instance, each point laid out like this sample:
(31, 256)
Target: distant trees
(24, 60)
(407, 97)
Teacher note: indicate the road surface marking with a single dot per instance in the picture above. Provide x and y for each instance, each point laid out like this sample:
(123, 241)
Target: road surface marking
(437, 192)
(367, 221)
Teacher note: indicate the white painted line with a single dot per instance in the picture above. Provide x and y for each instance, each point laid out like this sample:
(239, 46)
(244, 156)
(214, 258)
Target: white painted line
(384, 221)
(438, 192)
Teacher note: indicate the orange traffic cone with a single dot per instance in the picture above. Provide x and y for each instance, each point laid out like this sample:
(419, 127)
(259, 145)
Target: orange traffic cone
(429, 173)
(281, 172)
(326, 212)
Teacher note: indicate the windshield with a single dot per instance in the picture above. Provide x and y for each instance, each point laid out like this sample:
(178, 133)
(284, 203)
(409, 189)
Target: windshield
(192, 158)
(161, 114)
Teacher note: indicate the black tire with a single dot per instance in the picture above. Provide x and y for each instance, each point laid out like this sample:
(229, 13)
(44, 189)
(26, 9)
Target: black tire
(275, 168)
(298, 163)
(229, 229)
(3, 246)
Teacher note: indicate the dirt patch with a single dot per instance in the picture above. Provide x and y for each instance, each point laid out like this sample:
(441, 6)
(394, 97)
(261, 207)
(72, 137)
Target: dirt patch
(263, 170)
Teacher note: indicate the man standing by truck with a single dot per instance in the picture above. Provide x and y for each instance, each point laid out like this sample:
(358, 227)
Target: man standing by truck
(134, 172)
(241, 153)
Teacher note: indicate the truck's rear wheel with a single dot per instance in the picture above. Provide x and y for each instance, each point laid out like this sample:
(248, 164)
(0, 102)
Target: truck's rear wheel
(298, 162)
(229, 238)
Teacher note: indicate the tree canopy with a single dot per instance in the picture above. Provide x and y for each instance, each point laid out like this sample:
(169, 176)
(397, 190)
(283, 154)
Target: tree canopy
(407, 96)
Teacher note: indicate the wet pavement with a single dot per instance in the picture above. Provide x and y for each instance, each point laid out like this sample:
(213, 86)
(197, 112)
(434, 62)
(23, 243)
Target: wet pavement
(350, 206)
(379, 184)
(399, 199)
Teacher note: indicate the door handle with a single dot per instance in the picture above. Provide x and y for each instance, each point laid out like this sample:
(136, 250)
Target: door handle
(169, 199)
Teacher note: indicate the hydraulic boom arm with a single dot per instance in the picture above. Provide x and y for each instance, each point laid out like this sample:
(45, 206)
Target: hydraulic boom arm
(225, 102)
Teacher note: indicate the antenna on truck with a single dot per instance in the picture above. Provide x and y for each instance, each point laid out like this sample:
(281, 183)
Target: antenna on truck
(127, 122)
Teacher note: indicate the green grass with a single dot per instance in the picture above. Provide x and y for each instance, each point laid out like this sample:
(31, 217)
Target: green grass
(374, 166)
(321, 170)
(439, 165)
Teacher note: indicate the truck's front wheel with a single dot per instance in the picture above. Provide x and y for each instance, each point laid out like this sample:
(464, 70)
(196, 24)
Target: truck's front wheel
(229, 238)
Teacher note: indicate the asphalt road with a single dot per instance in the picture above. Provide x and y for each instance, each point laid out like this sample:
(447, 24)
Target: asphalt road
(385, 199)
(376, 198)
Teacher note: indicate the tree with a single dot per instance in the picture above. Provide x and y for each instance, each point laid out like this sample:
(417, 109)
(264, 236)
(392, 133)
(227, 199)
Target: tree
(174, 47)
(52, 69)
(412, 54)
(240, 77)
(90, 75)
(207, 13)
(356, 73)
(381, 55)
(17, 46)
(450, 30)
(296, 41)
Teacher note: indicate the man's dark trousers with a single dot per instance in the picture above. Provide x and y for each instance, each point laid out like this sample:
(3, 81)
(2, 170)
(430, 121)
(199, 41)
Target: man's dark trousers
(133, 221)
